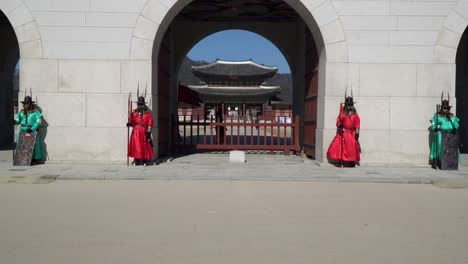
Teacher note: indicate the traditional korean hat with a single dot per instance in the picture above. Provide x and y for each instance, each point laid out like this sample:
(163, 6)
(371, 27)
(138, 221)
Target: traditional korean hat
(27, 100)
(349, 99)
(445, 102)
(141, 100)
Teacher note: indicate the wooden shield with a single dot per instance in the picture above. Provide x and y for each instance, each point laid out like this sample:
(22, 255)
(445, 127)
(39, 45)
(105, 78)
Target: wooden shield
(449, 151)
(24, 148)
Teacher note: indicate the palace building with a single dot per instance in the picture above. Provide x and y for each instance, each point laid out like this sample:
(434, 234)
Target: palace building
(239, 86)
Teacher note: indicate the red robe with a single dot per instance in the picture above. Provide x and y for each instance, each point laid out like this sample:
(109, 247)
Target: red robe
(139, 146)
(345, 137)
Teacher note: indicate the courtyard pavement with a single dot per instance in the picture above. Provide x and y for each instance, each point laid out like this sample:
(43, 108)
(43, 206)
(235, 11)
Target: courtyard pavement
(216, 166)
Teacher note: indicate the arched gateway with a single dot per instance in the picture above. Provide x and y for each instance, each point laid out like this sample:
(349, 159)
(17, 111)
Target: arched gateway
(82, 58)
(290, 25)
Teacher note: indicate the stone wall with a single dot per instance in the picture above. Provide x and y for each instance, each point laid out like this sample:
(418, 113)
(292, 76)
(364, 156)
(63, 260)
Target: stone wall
(82, 57)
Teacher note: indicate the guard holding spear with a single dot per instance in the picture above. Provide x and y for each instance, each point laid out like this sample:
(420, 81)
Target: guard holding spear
(445, 137)
(140, 145)
(344, 148)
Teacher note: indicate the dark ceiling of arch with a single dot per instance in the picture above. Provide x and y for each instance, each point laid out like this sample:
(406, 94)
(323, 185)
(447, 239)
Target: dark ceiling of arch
(253, 10)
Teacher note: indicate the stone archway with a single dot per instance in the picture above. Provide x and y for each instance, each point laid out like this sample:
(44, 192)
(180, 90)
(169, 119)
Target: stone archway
(452, 47)
(20, 36)
(319, 17)
(9, 55)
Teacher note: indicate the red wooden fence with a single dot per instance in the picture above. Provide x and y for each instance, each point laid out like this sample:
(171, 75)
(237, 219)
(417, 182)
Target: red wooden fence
(241, 133)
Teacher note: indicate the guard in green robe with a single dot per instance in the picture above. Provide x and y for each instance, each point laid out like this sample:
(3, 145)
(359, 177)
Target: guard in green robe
(445, 143)
(29, 120)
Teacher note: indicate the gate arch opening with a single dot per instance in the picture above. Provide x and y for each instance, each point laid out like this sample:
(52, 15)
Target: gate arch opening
(9, 57)
(461, 89)
(299, 40)
(252, 113)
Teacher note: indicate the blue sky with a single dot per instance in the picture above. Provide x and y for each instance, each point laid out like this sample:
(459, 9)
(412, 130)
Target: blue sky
(239, 45)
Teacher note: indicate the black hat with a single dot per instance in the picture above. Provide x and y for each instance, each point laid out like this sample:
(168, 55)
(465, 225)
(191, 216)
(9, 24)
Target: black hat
(445, 104)
(27, 100)
(141, 100)
(349, 101)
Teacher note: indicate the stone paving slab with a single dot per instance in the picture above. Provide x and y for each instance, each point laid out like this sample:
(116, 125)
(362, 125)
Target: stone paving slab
(218, 167)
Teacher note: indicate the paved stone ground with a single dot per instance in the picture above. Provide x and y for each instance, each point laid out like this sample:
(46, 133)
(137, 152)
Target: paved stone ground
(212, 166)
(212, 222)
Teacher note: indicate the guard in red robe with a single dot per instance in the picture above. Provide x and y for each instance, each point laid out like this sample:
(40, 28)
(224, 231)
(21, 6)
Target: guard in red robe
(344, 148)
(141, 145)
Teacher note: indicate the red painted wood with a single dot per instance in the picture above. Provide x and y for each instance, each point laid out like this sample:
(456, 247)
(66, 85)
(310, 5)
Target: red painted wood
(278, 142)
(310, 96)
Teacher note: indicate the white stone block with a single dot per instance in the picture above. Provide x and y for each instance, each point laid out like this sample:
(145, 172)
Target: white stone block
(20, 16)
(326, 136)
(409, 147)
(86, 144)
(39, 74)
(320, 112)
(106, 110)
(424, 38)
(461, 8)
(9, 5)
(116, 5)
(369, 22)
(337, 52)
(448, 38)
(27, 32)
(31, 49)
(420, 22)
(142, 49)
(341, 76)
(61, 5)
(419, 119)
(98, 19)
(134, 73)
(312, 4)
(155, 11)
(145, 28)
(171, 3)
(115, 35)
(45, 18)
(333, 32)
(445, 54)
(455, 22)
(410, 8)
(387, 80)
(236, 156)
(435, 78)
(62, 109)
(391, 54)
(86, 34)
(332, 107)
(90, 76)
(324, 13)
(374, 112)
(346, 8)
(62, 33)
(375, 146)
(86, 50)
(367, 37)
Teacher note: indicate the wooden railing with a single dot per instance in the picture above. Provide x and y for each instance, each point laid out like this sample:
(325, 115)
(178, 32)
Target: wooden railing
(241, 133)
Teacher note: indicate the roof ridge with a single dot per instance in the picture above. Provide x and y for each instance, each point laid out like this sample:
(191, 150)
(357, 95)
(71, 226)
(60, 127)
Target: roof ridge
(250, 61)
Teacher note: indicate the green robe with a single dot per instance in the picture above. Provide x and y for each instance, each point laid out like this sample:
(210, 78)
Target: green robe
(443, 124)
(33, 121)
